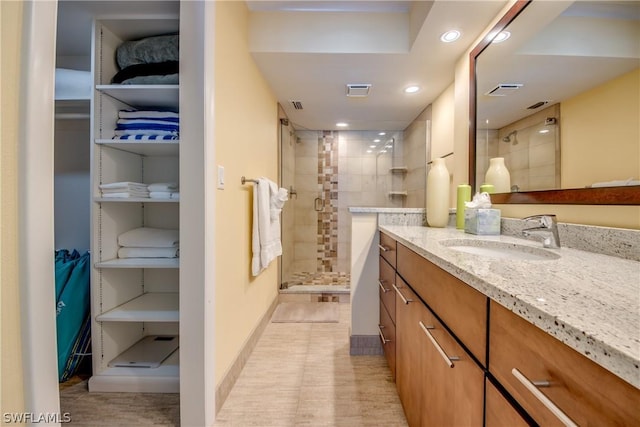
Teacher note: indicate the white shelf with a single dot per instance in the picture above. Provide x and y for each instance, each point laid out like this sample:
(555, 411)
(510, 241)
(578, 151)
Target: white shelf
(399, 169)
(140, 263)
(149, 307)
(133, 200)
(144, 148)
(140, 96)
(163, 379)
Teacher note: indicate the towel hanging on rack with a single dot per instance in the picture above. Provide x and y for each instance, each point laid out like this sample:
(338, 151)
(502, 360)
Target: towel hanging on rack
(268, 201)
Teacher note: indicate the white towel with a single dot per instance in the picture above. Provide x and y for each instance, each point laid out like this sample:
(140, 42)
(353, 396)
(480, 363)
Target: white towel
(123, 185)
(147, 237)
(268, 200)
(163, 186)
(125, 195)
(148, 252)
(160, 195)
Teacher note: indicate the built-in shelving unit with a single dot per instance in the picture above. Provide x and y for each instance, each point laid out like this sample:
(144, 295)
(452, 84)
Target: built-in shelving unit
(135, 297)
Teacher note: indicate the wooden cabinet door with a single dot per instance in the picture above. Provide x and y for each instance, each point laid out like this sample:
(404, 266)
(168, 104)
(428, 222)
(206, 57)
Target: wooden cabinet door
(408, 366)
(499, 412)
(388, 338)
(554, 383)
(453, 383)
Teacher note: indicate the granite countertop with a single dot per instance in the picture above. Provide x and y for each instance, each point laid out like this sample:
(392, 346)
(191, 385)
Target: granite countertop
(373, 209)
(589, 301)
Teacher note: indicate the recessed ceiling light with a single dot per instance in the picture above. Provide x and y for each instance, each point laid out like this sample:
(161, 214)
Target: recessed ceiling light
(412, 89)
(383, 151)
(342, 125)
(387, 146)
(382, 133)
(501, 37)
(372, 146)
(450, 36)
(369, 151)
(543, 131)
(376, 140)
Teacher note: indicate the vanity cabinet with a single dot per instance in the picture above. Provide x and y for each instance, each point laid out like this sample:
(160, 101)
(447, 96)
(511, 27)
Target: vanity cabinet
(387, 323)
(553, 382)
(438, 381)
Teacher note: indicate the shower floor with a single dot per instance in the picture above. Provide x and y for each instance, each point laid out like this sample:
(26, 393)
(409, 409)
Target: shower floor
(314, 282)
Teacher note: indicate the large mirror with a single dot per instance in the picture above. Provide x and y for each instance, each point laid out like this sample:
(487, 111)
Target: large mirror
(559, 100)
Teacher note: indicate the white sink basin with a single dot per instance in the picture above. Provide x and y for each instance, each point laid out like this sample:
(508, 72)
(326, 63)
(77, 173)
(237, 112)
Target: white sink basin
(500, 250)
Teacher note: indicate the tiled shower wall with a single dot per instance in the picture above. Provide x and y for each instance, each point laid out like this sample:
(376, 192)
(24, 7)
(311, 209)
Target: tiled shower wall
(335, 171)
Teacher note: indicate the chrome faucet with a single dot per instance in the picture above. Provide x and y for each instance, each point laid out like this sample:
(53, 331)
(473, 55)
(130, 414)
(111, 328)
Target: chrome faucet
(547, 227)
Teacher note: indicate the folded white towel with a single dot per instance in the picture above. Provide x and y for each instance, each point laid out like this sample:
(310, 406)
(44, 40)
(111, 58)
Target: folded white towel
(148, 252)
(175, 195)
(163, 186)
(160, 195)
(123, 184)
(147, 237)
(125, 195)
(266, 244)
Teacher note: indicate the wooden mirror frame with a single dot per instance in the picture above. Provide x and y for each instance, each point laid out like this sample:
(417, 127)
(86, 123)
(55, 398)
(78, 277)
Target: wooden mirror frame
(629, 195)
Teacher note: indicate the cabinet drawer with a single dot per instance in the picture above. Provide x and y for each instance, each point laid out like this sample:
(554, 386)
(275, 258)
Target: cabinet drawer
(499, 411)
(453, 383)
(388, 249)
(448, 297)
(587, 393)
(388, 338)
(386, 281)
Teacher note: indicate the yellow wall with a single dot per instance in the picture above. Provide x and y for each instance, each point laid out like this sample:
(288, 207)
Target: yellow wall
(442, 132)
(601, 127)
(246, 118)
(608, 216)
(11, 387)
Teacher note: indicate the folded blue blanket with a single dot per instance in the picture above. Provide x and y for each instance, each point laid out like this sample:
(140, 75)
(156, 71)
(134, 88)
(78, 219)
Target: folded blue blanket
(149, 114)
(148, 137)
(144, 132)
(148, 126)
(147, 121)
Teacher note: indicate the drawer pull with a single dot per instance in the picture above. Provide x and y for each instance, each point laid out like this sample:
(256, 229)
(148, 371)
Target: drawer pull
(448, 359)
(533, 388)
(384, 340)
(404, 300)
(385, 290)
(384, 248)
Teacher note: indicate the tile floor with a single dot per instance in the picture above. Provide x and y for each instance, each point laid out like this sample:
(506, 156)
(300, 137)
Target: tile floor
(299, 374)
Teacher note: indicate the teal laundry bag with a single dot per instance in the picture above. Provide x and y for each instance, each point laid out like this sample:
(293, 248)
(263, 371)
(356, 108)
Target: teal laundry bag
(64, 265)
(72, 308)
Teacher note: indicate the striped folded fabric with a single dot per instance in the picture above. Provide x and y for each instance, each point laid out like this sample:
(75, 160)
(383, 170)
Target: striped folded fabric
(149, 114)
(171, 137)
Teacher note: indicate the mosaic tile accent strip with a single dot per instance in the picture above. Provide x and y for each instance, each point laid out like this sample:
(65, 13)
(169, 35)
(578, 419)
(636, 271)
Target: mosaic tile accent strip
(318, 278)
(328, 215)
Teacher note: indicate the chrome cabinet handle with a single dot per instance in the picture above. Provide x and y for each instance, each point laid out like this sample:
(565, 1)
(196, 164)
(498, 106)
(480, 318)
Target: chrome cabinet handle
(385, 290)
(447, 359)
(384, 248)
(533, 388)
(404, 300)
(384, 340)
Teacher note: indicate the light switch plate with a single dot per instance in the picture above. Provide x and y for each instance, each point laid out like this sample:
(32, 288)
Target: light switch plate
(220, 177)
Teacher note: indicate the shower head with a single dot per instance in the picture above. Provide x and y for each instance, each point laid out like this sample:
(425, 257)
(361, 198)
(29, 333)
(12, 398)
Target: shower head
(508, 137)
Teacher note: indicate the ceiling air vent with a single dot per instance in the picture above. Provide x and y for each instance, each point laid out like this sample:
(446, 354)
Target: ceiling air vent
(296, 104)
(537, 105)
(358, 89)
(504, 89)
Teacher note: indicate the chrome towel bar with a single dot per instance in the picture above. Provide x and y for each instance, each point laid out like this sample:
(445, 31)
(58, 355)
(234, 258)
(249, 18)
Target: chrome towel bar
(244, 180)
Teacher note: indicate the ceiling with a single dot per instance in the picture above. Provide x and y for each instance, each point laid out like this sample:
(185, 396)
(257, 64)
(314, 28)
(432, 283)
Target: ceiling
(308, 51)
